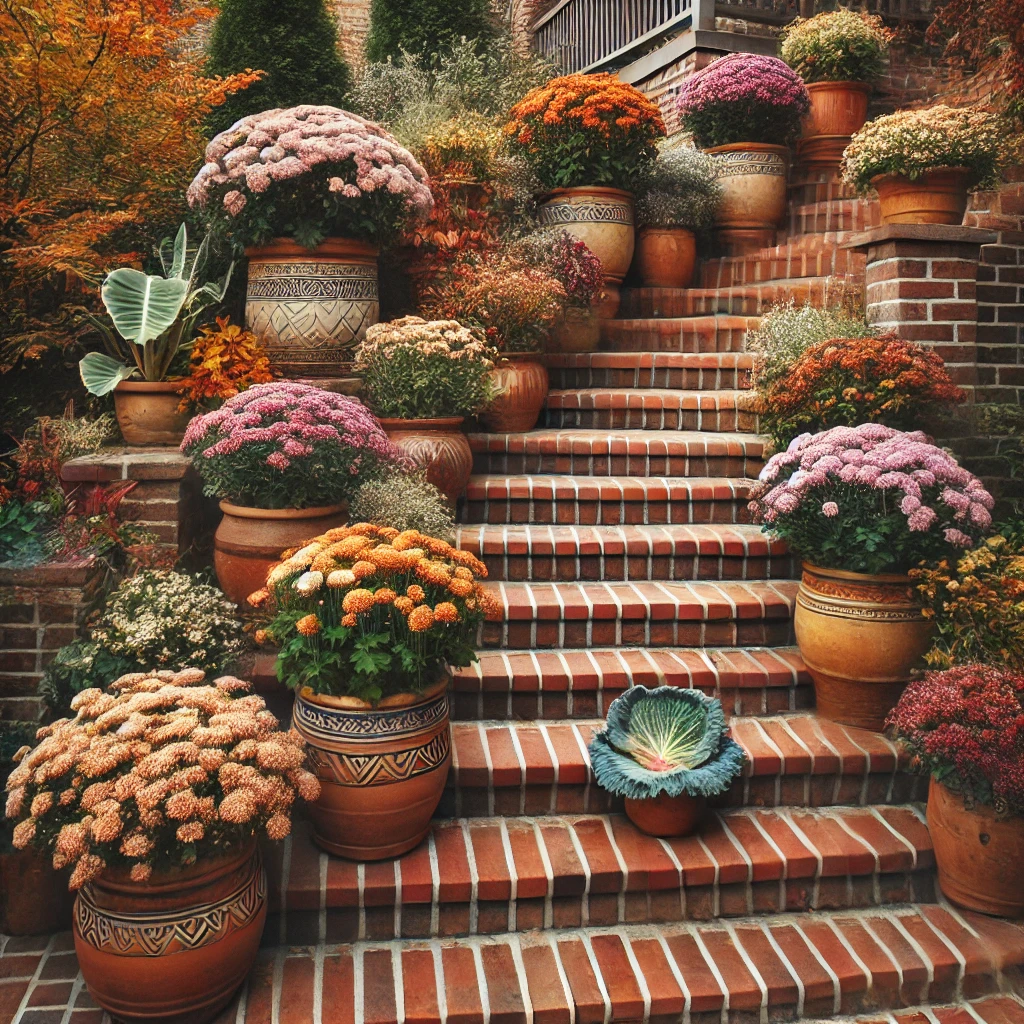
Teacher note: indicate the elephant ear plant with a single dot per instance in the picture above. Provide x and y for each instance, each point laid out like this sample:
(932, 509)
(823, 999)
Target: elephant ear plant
(665, 751)
(153, 316)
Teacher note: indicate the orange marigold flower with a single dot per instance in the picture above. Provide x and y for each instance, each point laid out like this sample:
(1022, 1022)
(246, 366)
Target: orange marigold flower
(446, 612)
(421, 618)
(308, 625)
(357, 601)
(404, 604)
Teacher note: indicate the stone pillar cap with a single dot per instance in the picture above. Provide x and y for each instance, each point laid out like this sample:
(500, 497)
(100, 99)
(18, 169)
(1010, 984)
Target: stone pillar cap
(919, 233)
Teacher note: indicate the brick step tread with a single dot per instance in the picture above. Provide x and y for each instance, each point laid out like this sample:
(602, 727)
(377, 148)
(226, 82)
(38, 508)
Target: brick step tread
(483, 876)
(800, 760)
(646, 398)
(779, 969)
(725, 409)
(569, 552)
(611, 500)
(663, 323)
(581, 684)
(693, 371)
(804, 257)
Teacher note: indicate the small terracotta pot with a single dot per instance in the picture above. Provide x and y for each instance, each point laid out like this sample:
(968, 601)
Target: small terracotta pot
(147, 412)
(860, 637)
(838, 110)
(34, 899)
(753, 179)
(978, 854)
(666, 257)
(249, 541)
(938, 197)
(440, 447)
(579, 330)
(523, 384)
(603, 219)
(177, 947)
(665, 815)
(382, 770)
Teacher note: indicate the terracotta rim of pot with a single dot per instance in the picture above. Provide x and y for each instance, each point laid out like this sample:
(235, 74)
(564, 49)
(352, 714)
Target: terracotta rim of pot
(335, 245)
(855, 577)
(397, 700)
(439, 422)
(153, 386)
(172, 879)
(923, 180)
(757, 147)
(248, 512)
(522, 357)
(598, 190)
(846, 84)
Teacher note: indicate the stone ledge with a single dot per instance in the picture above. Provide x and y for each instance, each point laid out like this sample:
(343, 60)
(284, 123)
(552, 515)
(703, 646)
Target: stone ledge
(69, 574)
(919, 233)
(127, 464)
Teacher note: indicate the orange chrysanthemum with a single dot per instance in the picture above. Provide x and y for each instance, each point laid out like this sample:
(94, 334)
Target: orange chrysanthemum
(384, 596)
(416, 593)
(357, 601)
(446, 612)
(404, 605)
(362, 569)
(308, 625)
(349, 620)
(421, 618)
(460, 587)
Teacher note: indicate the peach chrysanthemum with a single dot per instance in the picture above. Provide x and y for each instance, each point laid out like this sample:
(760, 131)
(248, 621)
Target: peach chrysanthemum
(141, 872)
(258, 598)
(151, 818)
(72, 840)
(306, 783)
(87, 868)
(127, 786)
(323, 563)
(357, 601)
(189, 676)
(96, 793)
(182, 805)
(446, 612)
(237, 807)
(15, 800)
(212, 736)
(190, 832)
(363, 569)
(278, 757)
(351, 546)
(278, 826)
(404, 604)
(68, 797)
(335, 534)
(341, 578)
(24, 833)
(407, 539)
(308, 625)
(136, 845)
(384, 596)
(416, 593)
(211, 759)
(19, 754)
(421, 618)
(106, 828)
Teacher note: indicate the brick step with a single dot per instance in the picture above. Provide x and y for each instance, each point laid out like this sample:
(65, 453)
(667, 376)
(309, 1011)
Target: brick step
(539, 553)
(800, 760)
(650, 409)
(486, 876)
(528, 685)
(609, 500)
(610, 452)
(817, 188)
(706, 333)
(778, 969)
(819, 217)
(729, 613)
(806, 256)
(692, 371)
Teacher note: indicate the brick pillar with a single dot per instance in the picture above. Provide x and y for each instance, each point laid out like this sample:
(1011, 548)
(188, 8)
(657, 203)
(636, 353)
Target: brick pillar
(921, 281)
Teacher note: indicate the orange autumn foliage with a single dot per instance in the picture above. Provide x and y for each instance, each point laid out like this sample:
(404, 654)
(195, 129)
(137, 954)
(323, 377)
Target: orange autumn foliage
(225, 359)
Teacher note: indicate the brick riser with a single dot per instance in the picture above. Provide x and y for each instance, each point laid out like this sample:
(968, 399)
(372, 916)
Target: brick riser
(633, 409)
(688, 371)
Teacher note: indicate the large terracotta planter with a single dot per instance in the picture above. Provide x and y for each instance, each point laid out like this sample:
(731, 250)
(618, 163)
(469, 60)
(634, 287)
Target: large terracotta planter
(979, 855)
(440, 447)
(838, 110)
(666, 257)
(177, 948)
(603, 219)
(249, 541)
(753, 178)
(579, 330)
(312, 307)
(382, 770)
(147, 412)
(34, 899)
(522, 383)
(665, 815)
(861, 637)
(937, 197)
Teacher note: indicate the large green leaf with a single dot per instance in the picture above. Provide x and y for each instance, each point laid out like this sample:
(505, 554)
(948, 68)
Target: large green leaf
(101, 373)
(142, 306)
(666, 734)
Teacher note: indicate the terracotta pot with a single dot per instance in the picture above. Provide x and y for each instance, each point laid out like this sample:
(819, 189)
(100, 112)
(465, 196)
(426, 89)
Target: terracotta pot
(838, 110)
(147, 412)
(382, 770)
(938, 197)
(523, 388)
(979, 855)
(34, 899)
(177, 947)
(753, 178)
(579, 330)
(666, 257)
(440, 447)
(249, 541)
(665, 815)
(861, 637)
(603, 219)
(312, 307)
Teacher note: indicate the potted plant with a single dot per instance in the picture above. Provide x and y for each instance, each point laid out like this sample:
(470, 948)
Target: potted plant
(862, 506)
(586, 138)
(154, 794)
(283, 459)
(677, 198)
(310, 192)
(846, 381)
(922, 163)
(406, 501)
(562, 255)
(964, 727)
(838, 54)
(422, 378)
(665, 751)
(517, 306)
(745, 109)
(369, 622)
(153, 318)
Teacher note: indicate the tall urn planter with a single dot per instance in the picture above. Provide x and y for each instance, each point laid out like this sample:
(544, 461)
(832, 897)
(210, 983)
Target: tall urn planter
(311, 307)
(382, 769)
(753, 179)
(860, 636)
(177, 947)
(838, 111)
(522, 383)
(438, 446)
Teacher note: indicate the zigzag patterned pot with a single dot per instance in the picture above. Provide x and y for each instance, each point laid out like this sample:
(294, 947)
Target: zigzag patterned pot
(312, 307)
(177, 947)
(382, 770)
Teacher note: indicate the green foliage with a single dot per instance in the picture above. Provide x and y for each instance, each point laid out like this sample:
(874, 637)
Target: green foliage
(78, 666)
(293, 42)
(427, 27)
(405, 501)
(26, 532)
(681, 190)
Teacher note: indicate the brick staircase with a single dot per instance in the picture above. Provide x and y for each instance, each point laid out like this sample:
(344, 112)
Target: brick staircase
(618, 543)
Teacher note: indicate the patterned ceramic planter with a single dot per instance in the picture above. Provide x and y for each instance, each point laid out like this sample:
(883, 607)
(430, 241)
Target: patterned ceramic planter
(753, 178)
(440, 447)
(382, 770)
(175, 948)
(312, 308)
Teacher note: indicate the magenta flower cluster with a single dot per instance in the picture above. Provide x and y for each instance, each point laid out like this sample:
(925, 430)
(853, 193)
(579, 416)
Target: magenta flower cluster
(742, 79)
(873, 457)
